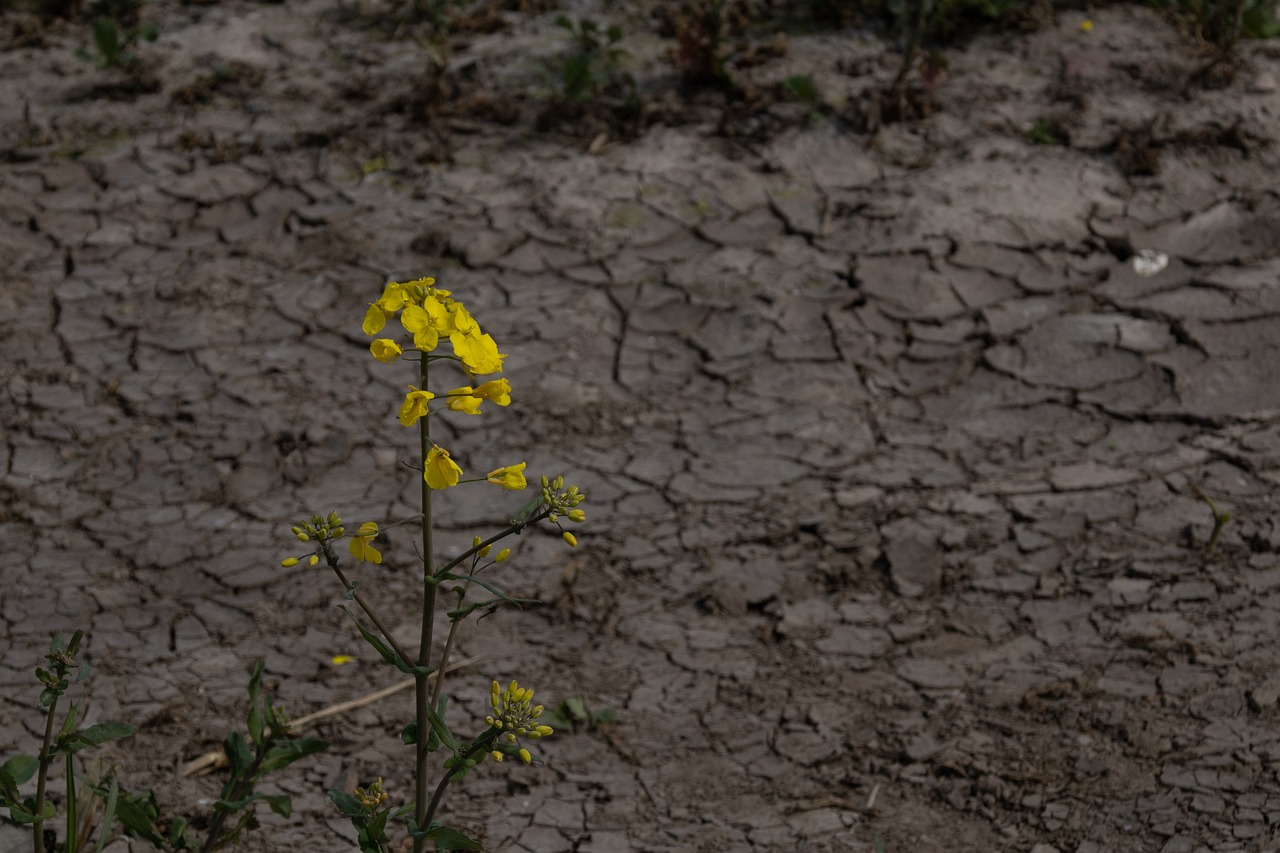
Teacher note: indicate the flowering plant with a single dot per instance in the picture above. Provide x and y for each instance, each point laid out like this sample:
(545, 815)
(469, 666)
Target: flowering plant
(429, 319)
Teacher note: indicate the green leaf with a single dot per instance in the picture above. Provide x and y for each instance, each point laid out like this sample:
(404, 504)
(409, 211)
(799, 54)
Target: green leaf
(278, 803)
(527, 511)
(388, 654)
(409, 734)
(8, 790)
(255, 711)
(284, 753)
(519, 602)
(442, 731)
(108, 813)
(238, 756)
(346, 803)
(23, 814)
(50, 694)
(95, 735)
(137, 814)
(107, 39)
(576, 708)
(446, 838)
(467, 610)
(21, 768)
(178, 839)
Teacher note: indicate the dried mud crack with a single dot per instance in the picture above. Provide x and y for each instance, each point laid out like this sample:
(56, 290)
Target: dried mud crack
(893, 455)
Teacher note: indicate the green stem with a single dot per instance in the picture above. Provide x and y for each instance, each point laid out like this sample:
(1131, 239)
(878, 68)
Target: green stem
(448, 650)
(37, 825)
(915, 36)
(237, 793)
(481, 744)
(332, 560)
(73, 839)
(422, 696)
(516, 527)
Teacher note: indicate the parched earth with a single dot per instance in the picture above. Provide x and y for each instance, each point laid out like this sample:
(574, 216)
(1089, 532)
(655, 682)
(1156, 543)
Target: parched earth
(895, 441)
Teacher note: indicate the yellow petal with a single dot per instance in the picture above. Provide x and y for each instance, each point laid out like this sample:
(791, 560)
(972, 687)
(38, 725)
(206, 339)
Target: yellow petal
(374, 319)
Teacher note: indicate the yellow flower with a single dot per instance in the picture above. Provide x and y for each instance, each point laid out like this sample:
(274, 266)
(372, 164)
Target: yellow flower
(525, 756)
(289, 562)
(1086, 25)
(462, 320)
(374, 319)
(339, 660)
(497, 390)
(479, 353)
(415, 406)
(417, 322)
(464, 400)
(440, 471)
(361, 544)
(393, 297)
(502, 555)
(386, 350)
(571, 539)
(510, 477)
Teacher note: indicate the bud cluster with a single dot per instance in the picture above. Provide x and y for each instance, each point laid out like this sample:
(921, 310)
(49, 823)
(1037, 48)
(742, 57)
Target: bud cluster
(371, 797)
(321, 529)
(317, 529)
(515, 715)
(562, 501)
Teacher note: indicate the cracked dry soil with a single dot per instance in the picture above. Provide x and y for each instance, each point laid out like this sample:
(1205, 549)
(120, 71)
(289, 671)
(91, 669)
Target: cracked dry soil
(891, 454)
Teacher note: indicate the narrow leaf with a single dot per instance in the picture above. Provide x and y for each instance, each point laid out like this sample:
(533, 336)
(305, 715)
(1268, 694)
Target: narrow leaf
(388, 654)
(238, 756)
(255, 712)
(108, 813)
(284, 753)
(447, 838)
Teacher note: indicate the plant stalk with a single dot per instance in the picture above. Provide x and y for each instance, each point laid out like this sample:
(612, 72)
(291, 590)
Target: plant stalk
(482, 743)
(359, 599)
(237, 793)
(422, 694)
(73, 835)
(453, 627)
(37, 825)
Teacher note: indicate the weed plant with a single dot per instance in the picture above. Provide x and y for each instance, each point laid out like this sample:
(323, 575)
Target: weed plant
(437, 333)
(270, 747)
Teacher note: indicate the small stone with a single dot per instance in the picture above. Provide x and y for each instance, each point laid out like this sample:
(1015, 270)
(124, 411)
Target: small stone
(1262, 83)
(914, 566)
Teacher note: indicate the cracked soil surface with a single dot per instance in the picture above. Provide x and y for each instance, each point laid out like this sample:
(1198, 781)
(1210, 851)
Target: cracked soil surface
(892, 454)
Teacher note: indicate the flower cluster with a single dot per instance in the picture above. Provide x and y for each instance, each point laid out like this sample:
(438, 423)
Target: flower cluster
(429, 315)
(372, 797)
(515, 716)
(323, 532)
(563, 501)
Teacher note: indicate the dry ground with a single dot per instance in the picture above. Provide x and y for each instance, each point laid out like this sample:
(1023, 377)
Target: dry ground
(892, 455)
